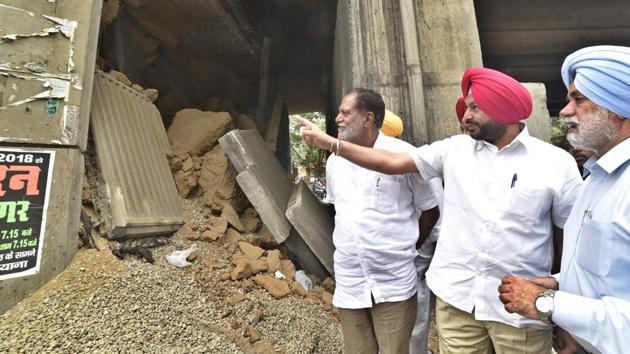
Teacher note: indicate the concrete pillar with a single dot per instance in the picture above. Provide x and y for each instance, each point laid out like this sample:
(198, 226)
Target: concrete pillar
(449, 44)
(413, 52)
(45, 95)
(369, 52)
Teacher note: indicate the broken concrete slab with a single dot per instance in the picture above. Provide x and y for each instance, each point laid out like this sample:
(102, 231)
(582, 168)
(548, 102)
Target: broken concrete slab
(270, 206)
(268, 188)
(305, 256)
(196, 132)
(129, 136)
(261, 178)
(312, 221)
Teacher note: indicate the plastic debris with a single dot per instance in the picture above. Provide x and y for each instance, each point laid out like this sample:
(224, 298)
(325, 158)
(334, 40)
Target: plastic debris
(178, 258)
(305, 281)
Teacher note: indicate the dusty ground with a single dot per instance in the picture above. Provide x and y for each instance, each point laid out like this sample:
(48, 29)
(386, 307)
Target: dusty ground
(101, 304)
(105, 305)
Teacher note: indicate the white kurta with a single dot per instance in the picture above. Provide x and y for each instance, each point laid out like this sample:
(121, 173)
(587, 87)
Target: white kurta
(498, 212)
(376, 229)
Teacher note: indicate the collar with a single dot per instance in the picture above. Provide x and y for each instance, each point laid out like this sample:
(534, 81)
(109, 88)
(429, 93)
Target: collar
(611, 160)
(380, 140)
(523, 138)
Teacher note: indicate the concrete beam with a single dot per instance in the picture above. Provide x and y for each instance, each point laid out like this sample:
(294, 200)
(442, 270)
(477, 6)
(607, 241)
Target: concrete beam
(261, 177)
(312, 221)
(268, 188)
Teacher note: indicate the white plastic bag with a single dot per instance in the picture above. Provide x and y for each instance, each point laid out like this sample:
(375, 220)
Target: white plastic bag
(279, 275)
(178, 258)
(305, 281)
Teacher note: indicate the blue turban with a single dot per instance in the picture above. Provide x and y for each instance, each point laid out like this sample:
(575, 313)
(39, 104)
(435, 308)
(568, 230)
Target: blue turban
(602, 74)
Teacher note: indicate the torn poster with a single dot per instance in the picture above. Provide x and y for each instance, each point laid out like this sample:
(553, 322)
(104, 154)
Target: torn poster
(25, 178)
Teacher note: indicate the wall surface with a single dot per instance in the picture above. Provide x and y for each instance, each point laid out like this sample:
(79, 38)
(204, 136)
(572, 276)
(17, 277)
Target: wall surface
(413, 53)
(47, 56)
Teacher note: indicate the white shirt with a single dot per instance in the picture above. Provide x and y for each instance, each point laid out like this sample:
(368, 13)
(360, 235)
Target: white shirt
(376, 229)
(594, 302)
(498, 212)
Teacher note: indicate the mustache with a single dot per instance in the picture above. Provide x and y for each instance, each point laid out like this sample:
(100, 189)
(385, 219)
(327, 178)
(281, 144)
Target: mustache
(571, 121)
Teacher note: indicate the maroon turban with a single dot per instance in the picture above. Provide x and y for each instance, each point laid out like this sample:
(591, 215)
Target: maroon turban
(460, 108)
(499, 96)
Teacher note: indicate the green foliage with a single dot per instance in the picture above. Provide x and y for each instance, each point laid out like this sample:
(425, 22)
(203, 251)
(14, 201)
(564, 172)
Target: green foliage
(559, 133)
(311, 158)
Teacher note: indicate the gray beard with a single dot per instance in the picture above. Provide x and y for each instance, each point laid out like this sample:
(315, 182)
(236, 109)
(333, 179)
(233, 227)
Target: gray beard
(595, 135)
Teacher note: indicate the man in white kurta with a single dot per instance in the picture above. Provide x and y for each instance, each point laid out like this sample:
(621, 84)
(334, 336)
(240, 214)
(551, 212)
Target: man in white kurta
(376, 230)
(505, 194)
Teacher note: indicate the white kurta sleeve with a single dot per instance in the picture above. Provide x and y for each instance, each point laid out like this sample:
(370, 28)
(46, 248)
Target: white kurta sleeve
(604, 323)
(429, 159)
(567, 189)
(330, 183)
(423, 196)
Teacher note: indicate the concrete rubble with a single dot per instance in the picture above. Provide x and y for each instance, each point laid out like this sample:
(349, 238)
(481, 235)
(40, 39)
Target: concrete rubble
(201, 170)
(227, 221)
(267, 186)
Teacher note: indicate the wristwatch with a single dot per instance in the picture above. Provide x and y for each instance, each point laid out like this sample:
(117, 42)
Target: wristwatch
(544, 305)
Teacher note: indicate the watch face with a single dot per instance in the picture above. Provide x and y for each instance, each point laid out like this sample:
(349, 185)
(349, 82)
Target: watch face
(544, 304)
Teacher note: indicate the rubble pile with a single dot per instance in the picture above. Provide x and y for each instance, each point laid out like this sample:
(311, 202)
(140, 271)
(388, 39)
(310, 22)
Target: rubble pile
(151, 93)
(201, 170)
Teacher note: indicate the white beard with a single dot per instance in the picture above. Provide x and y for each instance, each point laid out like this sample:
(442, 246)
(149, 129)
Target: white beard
(594, 132)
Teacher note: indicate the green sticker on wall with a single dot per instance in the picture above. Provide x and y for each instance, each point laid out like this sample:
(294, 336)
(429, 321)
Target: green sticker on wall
(51, 107)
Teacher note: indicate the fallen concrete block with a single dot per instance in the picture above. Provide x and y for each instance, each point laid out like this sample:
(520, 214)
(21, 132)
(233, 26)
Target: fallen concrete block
(268, 188)
(268, 198)
(196, 132)
(312, 221)
(131, 147)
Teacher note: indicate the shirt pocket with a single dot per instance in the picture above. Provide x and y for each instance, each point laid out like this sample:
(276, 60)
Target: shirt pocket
(594, 249)
(382, 191)
(526, 203)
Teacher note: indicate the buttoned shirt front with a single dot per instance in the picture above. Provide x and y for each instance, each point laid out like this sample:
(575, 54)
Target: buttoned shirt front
(594, 302)
(376, 229)
(499, 206)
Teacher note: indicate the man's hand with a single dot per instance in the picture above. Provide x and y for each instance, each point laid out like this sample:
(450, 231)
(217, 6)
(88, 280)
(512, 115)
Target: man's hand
(546, 282)
(312, 135)
(518, 295)
(563, 343)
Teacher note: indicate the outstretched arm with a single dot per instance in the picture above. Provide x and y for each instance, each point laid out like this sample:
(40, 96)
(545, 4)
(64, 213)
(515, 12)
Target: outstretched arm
(372, 159)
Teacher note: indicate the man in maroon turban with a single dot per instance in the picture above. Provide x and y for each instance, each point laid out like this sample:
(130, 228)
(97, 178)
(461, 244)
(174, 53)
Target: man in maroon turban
(505, 194)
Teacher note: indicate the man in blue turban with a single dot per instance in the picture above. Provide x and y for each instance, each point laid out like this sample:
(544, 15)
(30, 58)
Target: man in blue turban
(590, 303)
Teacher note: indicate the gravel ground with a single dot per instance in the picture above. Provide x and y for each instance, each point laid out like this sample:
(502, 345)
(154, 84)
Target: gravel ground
(101, 304)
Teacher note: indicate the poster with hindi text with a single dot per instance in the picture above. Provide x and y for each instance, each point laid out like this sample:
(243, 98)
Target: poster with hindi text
(25, 178)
